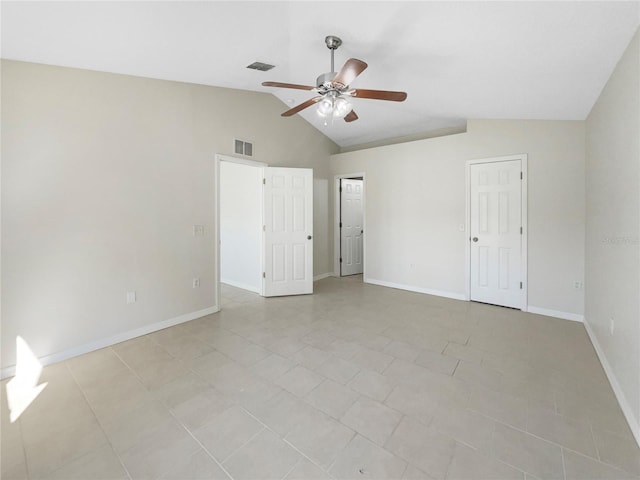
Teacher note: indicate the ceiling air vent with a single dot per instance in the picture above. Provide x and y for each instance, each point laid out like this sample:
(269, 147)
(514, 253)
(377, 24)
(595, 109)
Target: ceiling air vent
(243, 148)
(263, 67)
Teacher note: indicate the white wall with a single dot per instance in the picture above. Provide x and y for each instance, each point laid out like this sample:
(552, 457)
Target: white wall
(415, 202)
(103, 178)
(241, 225)
(613, 230)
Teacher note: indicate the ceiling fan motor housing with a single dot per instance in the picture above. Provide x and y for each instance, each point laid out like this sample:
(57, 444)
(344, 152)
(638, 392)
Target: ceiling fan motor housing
(325, 79)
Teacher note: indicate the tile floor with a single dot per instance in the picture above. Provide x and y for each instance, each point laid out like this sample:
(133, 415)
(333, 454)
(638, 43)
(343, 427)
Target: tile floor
(354, 382)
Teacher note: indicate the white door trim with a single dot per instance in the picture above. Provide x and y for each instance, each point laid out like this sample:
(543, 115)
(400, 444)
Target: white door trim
(227, 158)
(525, 230)
(336, 222)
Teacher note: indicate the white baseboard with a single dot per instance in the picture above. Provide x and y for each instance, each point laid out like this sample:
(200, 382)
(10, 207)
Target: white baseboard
(106, 342)
(633, 422)
(575, 317)
(243, 286)
(322, 275)
(412, 288)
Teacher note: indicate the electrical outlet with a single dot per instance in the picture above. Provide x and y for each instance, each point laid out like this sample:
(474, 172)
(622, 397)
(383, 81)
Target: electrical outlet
(196, 282)
(612, 325)
(577, 285)
(131, 297)
(198, 230)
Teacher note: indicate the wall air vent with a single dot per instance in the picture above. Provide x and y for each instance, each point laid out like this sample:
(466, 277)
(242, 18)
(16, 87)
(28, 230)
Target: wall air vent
(263, 67)
(243, 148)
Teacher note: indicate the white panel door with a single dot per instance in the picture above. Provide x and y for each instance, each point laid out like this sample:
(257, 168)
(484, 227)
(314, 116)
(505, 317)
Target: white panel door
(351, 229)
(496, 233)
(288, 231)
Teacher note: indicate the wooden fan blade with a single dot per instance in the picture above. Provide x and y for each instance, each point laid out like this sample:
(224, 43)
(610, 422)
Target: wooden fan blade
(302, 106)
(351, 116)
(287, 85)
(379, 95)
(350, 70)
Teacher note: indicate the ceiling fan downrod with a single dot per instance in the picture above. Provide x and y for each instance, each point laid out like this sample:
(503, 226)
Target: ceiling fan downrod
(333, 43)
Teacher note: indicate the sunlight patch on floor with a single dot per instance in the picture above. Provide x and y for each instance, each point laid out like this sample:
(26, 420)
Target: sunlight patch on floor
(23, 388)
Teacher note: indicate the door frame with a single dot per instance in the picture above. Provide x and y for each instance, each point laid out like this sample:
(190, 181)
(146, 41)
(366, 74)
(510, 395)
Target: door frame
(252, 163)
(336, 222)
(523, 157)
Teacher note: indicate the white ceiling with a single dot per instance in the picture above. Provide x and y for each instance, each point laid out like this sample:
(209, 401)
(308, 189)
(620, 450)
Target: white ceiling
(456, 60)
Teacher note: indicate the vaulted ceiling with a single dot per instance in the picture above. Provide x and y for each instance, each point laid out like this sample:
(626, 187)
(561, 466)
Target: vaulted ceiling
(456, 60)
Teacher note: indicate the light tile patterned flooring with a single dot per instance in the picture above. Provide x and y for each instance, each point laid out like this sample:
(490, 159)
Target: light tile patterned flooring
(354, 382)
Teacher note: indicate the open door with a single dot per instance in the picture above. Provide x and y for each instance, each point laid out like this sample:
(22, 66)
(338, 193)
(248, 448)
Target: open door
(288, 231)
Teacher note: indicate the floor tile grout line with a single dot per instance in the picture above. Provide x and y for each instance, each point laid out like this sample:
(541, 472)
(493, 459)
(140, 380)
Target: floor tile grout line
(135, 374)
(546, 440)
(243, 445)
(96, 416)
(593, 439)
(24, 448)
(491, 456)
(201, 446)
(564, 466)
(394, 431)
(615, 467)
(282, 437)
(406, 467)
(293, 468)
(333, 462)
(456, 368)
(446, 472)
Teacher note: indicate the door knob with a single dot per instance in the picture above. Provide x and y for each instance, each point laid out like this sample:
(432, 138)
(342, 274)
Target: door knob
(308, 237)
(475, 239)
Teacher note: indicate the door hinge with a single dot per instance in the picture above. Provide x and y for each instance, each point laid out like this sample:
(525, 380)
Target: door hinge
(520, 230)
(264, 228)
(340, 189)
(264, 274)
(341, 260)
(520, 175)
(340, 224)
(520, 285)
(264, 181)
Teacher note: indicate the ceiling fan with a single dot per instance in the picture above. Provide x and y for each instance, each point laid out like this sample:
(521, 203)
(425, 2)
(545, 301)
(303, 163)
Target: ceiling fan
(333, 88)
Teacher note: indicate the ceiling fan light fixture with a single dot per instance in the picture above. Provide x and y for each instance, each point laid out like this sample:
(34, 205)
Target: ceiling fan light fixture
(325, 106)
(341, 108)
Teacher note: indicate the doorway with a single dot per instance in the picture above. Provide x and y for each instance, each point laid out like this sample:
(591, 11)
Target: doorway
(349, 228)
(240, 224)
(497, 226)
(264, 234)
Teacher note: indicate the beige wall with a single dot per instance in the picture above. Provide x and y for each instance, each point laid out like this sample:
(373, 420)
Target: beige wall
(415, 202)
(103, 178)
(613, 230)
